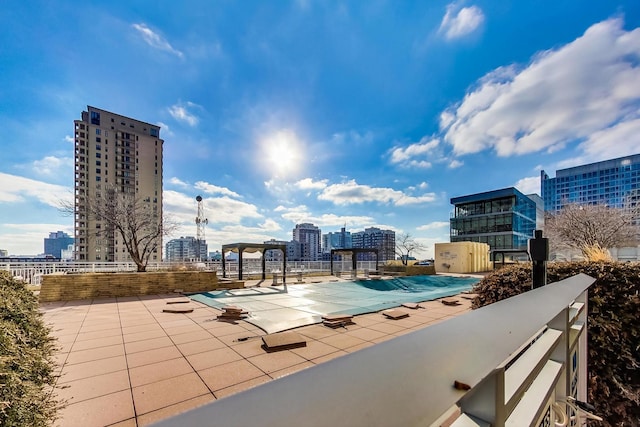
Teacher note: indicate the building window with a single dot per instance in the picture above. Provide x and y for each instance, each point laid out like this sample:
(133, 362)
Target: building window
(98, 179)
(95, 118)
(97, 131)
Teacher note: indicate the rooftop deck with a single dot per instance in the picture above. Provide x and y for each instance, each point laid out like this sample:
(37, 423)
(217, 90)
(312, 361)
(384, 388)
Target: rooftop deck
(124, 362)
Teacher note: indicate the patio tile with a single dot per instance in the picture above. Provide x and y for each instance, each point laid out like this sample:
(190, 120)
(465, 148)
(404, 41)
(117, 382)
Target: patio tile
(191, 336)
(131, 422)
(160, 394)
(99, 334)
(152, 356)
(99, 385)
(159, 371)
(100, 326)
(209, 359)
(365, 334)
(171, 410)
(183, 329)
(126, 330)
(99, 411)
(96, 343)
(150, 344)
(229, 374)
(359, 347)
(93, 368)
(386, 327)
(144, 335)
(232, 339)
(329, 356)
(342, 341)
(317, 331)
(200, 346)
(271, 362)
(95, 354)
(313, 350)
(249, 348)
(237, 388)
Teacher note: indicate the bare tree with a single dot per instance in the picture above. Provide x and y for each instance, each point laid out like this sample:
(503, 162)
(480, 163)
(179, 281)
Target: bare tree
(589, 227)
(405, 244)
(133, 219)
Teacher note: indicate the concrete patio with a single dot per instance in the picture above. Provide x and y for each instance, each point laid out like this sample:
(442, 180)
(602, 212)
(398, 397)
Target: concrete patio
(124, 362)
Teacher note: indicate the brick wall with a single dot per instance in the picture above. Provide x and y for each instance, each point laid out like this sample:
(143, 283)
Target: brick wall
(68, 287)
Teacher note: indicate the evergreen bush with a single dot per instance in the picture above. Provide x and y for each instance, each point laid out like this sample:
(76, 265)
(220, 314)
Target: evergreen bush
(613, 328)
(26, 359)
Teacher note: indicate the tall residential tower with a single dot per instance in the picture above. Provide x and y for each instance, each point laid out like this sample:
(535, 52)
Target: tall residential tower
(113, 153)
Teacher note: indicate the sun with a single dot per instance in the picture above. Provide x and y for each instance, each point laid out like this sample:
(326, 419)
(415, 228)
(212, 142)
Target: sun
(282, 153)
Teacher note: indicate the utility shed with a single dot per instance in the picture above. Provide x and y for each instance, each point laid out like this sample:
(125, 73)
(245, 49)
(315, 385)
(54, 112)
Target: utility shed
(462, 257)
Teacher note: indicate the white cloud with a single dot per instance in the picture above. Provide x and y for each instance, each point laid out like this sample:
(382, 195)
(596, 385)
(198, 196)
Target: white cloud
(351, 192)
(586, 90)
(310, 184)
(69, 138)
(455, 164)
(178, 182)
(300, 214)
(155, 40)
(460, 21)
(214, 189)
(165, 129)
(529, 185)
(624, 136)
(270, 225)
(433, 225)
(52, 166)
(417, 155)
(17, 189)
(181, 113)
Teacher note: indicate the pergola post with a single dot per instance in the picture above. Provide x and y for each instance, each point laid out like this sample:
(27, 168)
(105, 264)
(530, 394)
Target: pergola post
(224, 271)
(240, 263)
(264, 276)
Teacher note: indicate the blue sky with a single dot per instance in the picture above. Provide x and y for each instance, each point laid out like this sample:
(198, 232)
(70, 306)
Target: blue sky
(364, 113)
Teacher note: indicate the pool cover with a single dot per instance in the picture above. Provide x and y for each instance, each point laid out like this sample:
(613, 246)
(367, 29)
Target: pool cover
(278, 308)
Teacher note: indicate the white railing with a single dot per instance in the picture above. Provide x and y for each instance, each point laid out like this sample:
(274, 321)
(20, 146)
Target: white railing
(515, 363)
(32, 272)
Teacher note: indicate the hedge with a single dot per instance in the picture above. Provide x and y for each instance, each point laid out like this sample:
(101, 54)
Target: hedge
(613, 328)
(26, 359)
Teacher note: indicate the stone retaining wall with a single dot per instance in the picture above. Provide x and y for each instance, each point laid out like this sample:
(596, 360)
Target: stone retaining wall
(410, 270)
(68, 287)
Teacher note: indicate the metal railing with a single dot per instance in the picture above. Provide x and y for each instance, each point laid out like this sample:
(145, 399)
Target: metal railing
(511, 363)
(32, 272)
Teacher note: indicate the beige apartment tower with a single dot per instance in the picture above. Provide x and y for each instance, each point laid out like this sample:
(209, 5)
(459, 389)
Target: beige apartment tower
(115, 153)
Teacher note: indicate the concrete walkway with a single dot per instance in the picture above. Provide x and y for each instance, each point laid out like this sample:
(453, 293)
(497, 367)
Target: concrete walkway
(124, 362)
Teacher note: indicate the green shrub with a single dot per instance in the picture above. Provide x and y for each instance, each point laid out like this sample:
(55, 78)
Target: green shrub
(613, 327)
(26, 359)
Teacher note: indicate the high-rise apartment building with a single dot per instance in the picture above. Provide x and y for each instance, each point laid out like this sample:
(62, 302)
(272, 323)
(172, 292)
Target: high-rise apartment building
(309, 236)
(504, 219)
(56, 243)
(186, 249)
(613, 182)
(336, 240)
(374, 237)
(119, 154)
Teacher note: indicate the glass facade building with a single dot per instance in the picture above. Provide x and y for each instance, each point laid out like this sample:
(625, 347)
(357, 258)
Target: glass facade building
(613, 182)
(504, 219)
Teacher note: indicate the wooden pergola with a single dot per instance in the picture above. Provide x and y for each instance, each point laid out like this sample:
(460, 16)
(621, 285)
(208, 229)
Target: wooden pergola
(354, 252)
(240, 248)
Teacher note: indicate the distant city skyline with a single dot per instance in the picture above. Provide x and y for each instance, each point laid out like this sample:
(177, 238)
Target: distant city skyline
(369, 114)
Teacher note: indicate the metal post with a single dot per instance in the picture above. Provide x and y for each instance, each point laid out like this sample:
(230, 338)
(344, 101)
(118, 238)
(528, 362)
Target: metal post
(539, 250)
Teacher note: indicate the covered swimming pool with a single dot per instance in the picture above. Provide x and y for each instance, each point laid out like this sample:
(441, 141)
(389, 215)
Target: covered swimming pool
(278, 308)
